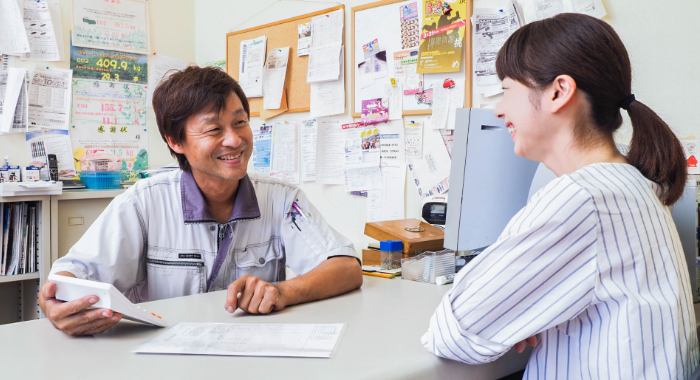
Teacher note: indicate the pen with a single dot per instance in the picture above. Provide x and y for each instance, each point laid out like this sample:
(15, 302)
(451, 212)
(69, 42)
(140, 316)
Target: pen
(383, 275)
(296, 207)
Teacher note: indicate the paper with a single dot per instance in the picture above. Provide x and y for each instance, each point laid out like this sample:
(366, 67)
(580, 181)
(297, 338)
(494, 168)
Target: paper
(456, 101)
(115, 25)
(13, 36)
(220, 64)
(6, 61)
(98, 103)
(250, 66)
(267, 114)
(448, 139)
(441, 106)
(392, 143)
(328, 98)
(40, 31)
(442, 36)
(492, 27)
(43, 142)
(162, 67)
(388, 202)
(374, 111)
(49, 98)
(324, 63)
(309, 130)
(304, 41)
(394, 100)
(262, 149)
(410, 26)
(285, 155)
(110, 118)
(535, 10)
(414, 139)
(247, 339)
(273, 79)
(108, 65)
(327, 29)
(691, 148)
(405, 65)
(330, 152)
(362, 157)
(431, 174)
(371, 48)
(15, 110)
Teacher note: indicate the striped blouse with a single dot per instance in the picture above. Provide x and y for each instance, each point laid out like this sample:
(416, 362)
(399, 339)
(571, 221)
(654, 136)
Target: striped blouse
(594, 265)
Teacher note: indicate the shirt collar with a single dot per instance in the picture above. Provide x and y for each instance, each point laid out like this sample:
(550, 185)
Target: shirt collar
(194, 208)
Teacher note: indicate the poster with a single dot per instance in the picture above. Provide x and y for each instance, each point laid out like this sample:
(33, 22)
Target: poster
(108, 65)
(109, 118)
(262, 149)
(115, 24)
(410, 26)
(442, 36)
(43, 142)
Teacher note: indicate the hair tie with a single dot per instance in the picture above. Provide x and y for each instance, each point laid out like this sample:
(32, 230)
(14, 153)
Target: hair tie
(628, 100)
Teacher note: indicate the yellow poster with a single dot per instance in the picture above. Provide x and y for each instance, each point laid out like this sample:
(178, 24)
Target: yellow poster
(442, 36)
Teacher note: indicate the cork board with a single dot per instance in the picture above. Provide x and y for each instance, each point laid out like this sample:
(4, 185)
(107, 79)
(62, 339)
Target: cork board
(279, 34)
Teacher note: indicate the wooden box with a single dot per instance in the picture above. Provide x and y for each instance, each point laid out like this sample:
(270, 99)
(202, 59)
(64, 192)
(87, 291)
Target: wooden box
(430, 239)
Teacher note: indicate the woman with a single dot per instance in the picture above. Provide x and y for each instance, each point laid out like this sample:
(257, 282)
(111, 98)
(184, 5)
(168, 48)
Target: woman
(593, 263)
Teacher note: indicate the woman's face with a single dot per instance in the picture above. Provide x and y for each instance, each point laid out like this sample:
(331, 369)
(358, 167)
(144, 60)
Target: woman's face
(521, 109)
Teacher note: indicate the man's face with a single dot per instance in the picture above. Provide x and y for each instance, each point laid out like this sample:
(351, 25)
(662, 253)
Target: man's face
(218, 146)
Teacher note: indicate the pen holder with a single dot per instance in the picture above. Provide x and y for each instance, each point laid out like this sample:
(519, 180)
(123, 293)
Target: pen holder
(427, 266)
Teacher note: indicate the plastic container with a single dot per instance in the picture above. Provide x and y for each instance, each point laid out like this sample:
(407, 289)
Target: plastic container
(390, 252)
(427, 266)
(101, 180)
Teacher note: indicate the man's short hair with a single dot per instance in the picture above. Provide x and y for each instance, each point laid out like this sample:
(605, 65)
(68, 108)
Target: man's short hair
(188, 92)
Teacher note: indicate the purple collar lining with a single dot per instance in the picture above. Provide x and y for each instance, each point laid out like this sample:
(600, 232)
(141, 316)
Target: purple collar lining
(194, 207)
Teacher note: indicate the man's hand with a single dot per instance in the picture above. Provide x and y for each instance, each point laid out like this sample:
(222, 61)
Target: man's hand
(71, 317)
(520, 346)
(257, 296)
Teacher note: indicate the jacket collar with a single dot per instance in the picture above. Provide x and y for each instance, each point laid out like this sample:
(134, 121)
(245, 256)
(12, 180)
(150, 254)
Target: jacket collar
(195, 210)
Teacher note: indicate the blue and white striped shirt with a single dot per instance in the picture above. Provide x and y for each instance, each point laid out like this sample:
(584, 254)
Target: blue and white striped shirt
(594, 265)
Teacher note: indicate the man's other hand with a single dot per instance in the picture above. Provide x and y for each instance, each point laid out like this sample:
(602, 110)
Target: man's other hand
(257, 296)
(73, 317)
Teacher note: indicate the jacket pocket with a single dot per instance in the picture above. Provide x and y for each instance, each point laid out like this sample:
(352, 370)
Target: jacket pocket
(263, 260)
(174, 273)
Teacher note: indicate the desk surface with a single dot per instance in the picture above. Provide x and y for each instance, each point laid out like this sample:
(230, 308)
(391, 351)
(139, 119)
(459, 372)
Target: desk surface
(385, 320)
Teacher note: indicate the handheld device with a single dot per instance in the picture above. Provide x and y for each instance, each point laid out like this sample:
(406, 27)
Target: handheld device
(53, 167)
(69, 289)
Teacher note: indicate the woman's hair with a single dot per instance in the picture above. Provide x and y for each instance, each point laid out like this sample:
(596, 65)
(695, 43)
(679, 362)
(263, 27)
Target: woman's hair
(589, 51)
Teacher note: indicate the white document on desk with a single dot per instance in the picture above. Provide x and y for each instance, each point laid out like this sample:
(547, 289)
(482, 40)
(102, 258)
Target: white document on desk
(299, 340)
(13, 36)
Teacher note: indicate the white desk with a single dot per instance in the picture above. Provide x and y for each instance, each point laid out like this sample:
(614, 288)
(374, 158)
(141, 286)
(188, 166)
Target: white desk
(385, 320)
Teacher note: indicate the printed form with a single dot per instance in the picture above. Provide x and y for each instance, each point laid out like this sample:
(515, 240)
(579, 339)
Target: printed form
(247, 339)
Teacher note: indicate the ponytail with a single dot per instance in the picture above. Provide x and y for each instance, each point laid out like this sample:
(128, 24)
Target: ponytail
(589, 50)
(656, 152)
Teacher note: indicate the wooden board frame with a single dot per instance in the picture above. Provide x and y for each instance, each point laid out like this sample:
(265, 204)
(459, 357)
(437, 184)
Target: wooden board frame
(279, 35)
(466, 51)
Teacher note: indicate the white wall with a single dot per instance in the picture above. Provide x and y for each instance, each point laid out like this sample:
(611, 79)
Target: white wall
(663, 47)
(172, 32)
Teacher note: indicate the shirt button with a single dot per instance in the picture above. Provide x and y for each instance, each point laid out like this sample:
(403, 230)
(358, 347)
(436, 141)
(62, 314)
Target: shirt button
(261, 261)
(212, 228)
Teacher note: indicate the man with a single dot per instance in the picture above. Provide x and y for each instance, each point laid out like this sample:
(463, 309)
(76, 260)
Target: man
(209, 226)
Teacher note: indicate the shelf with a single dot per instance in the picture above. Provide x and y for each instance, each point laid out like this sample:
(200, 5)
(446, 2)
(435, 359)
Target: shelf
(88, 194)
(19, 277)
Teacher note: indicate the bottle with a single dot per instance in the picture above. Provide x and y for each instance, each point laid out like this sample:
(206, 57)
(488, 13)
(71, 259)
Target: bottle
(390, 252)
(442, 280)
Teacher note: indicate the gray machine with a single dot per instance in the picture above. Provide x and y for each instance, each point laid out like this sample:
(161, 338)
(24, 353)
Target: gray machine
(489, 184)
(685, 216)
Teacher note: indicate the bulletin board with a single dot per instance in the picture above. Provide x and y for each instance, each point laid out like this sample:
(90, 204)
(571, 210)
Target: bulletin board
(382, 20)
(279, 34)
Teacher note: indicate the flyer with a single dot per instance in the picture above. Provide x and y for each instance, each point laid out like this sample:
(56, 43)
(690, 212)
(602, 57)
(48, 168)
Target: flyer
(442, 36)
(108, 65)
(118, 25)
